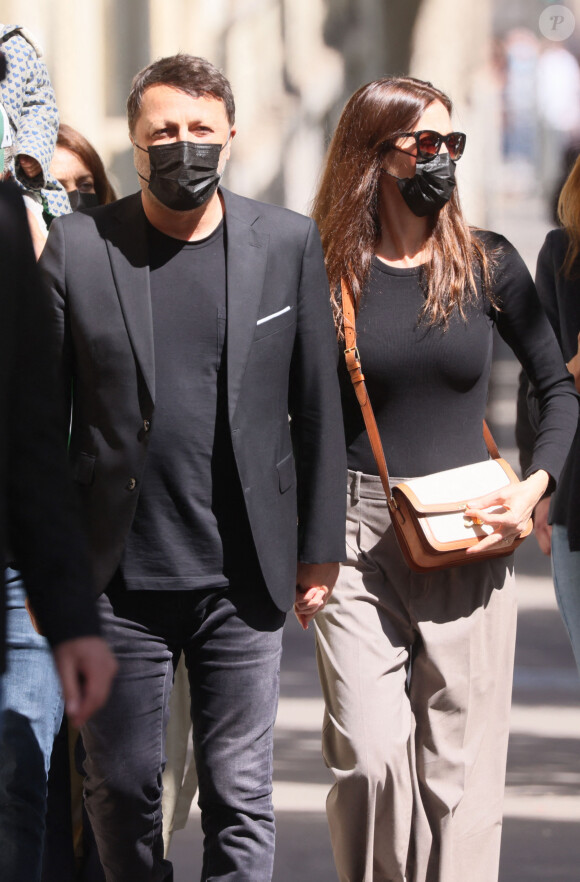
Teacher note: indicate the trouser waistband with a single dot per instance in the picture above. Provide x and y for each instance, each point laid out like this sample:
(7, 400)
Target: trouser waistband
(361, 486)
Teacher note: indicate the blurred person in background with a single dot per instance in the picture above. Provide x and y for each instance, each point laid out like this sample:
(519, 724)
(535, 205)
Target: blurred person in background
(557, 517)
(520, 114)
(558, 95)
(416, 669)
(80, 170)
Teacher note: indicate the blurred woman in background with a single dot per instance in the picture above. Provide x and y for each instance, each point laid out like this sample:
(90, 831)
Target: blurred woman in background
(558, 284)
(79, 168)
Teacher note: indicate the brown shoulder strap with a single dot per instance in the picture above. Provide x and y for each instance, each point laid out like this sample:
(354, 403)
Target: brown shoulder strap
(353, 365)
(352, 359)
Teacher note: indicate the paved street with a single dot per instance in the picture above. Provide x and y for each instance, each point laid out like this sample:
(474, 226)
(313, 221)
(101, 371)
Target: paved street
(542, 810)
(542, 816)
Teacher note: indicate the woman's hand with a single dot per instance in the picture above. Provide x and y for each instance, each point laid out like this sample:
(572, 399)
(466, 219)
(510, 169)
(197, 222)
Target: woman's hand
(516, 503)
(574, 367)
(30, 166)
(542, 529)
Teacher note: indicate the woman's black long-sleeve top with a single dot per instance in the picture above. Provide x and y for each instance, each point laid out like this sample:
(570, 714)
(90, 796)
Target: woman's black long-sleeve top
(560, 297)
(429, 386)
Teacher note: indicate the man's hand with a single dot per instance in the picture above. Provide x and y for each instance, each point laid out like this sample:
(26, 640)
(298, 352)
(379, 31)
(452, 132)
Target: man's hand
(314, 584)
(86, 669)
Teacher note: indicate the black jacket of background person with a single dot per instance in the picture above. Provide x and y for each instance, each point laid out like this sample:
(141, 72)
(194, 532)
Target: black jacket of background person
(560, 298)
(281, 361)
(38, 520)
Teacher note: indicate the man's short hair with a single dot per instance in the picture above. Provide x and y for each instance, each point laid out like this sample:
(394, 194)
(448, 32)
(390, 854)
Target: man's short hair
(191, 74)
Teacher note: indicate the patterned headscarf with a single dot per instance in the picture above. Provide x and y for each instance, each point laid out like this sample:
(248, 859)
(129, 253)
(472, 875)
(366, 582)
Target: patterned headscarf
(28, 99)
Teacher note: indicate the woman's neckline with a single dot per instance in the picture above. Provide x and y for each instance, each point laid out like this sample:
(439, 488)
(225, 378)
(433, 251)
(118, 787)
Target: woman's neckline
(392, 270)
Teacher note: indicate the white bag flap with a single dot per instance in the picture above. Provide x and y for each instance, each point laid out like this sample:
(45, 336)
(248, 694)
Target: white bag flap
(458, 485)
(455, 486)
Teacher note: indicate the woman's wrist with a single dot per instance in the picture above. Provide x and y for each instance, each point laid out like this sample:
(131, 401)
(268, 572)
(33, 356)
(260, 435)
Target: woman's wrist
(538, 481)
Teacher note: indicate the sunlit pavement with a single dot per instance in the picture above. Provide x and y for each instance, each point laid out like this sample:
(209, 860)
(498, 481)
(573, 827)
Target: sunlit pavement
(542, 810)
(541, 839)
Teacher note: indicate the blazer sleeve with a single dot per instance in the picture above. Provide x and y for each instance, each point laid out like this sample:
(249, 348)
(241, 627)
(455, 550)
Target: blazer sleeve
(527, 404)
(316, 418)
(546, 272)
(44, 529)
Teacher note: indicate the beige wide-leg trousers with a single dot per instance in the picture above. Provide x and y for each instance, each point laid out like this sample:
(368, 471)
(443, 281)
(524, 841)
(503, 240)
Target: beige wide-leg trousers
(416, 672)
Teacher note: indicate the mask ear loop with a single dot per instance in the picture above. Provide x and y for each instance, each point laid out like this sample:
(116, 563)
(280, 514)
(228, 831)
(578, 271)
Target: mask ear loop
(138, 146)
(385, 171)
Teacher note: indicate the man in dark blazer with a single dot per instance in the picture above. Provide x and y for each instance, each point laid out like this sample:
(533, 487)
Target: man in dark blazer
(207, 445)
(39, 523)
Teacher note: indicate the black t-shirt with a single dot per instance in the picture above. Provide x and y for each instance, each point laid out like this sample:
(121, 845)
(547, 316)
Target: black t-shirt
(190, 528)
(428, 386)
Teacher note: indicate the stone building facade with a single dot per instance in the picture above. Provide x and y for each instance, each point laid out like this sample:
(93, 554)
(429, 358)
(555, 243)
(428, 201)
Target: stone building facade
(292, 63)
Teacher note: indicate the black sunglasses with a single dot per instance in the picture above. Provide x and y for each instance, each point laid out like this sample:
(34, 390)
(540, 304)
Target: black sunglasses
(429, 143)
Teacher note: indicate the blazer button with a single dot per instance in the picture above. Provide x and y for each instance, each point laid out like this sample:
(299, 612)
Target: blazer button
(131, 484)
(146, 425)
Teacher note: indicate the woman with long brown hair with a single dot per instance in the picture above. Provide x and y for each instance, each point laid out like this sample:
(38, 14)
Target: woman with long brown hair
(79, 168)
(416, 669)
(558, 284)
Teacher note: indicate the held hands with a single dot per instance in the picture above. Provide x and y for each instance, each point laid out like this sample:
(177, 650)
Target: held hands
(86, 669)
(517, 502)
(314, 584)
(574, 367)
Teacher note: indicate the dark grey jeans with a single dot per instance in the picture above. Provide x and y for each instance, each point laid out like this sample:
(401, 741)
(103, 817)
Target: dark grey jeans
(231, 640)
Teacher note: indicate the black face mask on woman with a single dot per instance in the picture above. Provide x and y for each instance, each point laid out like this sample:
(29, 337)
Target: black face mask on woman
(78, 199)
(183, 174)
(431, 187)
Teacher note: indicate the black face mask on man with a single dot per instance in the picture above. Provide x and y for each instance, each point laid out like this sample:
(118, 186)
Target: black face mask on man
(183, 174)
(431, 187)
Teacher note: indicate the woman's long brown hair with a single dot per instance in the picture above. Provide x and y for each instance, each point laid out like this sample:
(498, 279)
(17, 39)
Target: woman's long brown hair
(569, 217)
(346, 205)
(72, 140)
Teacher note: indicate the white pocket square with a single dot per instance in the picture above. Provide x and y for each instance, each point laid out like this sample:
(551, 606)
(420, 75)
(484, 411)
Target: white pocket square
(268, 318)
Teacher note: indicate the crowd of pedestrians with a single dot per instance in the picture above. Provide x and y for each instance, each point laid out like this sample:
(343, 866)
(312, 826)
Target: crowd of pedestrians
(185, 346)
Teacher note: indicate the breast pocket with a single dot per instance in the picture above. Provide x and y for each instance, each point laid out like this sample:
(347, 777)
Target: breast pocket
(275, 321)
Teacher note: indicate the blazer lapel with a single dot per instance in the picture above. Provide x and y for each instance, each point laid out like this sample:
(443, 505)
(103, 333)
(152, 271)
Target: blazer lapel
(246, 258)
(128, 253)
